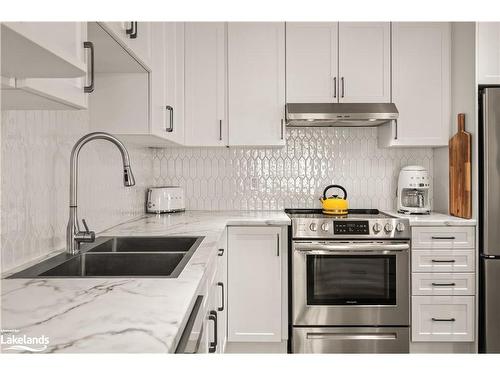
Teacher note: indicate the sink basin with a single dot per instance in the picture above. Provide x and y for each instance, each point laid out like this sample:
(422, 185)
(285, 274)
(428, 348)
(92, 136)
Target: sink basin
(120, 257)
(145, 244)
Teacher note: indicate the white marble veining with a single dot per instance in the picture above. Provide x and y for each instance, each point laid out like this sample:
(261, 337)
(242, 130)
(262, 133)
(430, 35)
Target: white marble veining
(434, 219)
(133, 315)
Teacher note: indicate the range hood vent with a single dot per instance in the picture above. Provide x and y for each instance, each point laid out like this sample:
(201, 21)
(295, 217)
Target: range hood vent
(340, 114)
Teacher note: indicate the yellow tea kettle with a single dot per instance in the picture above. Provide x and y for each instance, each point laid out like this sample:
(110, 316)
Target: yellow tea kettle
(335, 205)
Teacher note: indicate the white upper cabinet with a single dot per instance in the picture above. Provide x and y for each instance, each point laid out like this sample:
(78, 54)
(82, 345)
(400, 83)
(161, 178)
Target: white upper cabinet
(43, 49)
(488, 53)
(136, 38)
(311, 62)
(364, 62)
(420, 85)
(256, 83)
(205, 84)
(167, 80)
(328, 62)
(46, 64)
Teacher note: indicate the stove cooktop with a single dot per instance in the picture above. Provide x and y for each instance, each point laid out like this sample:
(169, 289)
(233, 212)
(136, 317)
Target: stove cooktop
(352, 214)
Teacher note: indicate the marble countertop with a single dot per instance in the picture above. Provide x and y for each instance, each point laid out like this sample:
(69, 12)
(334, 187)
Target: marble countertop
(434, 219)
(127, 315)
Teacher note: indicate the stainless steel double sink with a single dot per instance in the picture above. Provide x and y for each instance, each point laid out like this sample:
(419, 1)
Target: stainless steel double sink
(119, 257)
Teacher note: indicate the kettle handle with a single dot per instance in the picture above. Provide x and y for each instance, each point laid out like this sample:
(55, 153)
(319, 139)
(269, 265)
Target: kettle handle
(334, 186)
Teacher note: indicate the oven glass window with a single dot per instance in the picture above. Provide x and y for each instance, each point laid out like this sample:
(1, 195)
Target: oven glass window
(351, 280)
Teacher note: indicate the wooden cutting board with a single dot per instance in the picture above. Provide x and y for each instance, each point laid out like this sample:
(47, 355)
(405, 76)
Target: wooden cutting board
(460, 171)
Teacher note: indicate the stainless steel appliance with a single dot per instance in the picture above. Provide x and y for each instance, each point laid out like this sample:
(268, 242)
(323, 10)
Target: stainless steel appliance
(350, 282)
(340, 114)
(413, 191)
(489, 203)
(165, 199)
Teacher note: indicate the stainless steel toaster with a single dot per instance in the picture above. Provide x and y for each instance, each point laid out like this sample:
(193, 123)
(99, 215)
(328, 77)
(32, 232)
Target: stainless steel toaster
(165, 199)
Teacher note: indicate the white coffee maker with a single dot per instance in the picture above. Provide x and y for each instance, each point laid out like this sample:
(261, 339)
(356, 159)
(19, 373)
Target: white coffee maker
(414, 190)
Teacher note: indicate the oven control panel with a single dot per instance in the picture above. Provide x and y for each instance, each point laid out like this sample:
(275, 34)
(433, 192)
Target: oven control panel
(351, 227)
(342, 228)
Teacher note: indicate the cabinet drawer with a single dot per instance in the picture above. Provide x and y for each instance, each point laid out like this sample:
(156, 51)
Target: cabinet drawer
(443, 261)
(443, 284)
(442, 238)
(442, 318)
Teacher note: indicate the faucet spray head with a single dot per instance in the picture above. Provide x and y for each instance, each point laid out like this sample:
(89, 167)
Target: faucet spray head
(128, 176)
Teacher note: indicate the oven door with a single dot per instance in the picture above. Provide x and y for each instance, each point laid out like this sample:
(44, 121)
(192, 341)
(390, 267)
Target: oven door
(351, 283)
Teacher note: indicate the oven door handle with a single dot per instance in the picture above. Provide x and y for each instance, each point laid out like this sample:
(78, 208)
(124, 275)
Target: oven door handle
(350, 248)
(346, 336)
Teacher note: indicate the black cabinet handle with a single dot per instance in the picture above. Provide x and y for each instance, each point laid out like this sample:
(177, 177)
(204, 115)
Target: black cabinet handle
(343, 86)
(130, 30)
(334, 87)
(170, 109)
(134, 34)
(443, 284)
(90, 88)
(443, 320)
(222, 288)
(443, 261)
(220, 130)
(221, 252)
(213, 345)
(396, 129)
(443, 237)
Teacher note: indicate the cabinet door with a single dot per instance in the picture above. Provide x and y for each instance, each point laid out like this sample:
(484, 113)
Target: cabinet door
(420, 85)
(256, 81)
(488, 53)
(141, 45)
(205, 84)
(167, 80)
(221, 278)
(364, 62)
(254, 279)
(443, 318)
(311, 62)
(32, 89)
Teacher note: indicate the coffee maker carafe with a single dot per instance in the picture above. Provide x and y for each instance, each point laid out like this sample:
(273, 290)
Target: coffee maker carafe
(413, 190)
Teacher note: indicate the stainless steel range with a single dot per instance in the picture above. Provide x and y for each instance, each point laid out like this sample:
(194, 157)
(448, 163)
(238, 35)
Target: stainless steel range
(350, 282)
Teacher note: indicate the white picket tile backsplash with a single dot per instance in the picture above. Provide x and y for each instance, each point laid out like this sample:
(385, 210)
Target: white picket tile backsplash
(294, 176)
(35, 165)
(36, 147)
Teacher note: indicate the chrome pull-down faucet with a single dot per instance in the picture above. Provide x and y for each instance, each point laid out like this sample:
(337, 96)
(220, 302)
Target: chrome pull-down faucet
(74, 236)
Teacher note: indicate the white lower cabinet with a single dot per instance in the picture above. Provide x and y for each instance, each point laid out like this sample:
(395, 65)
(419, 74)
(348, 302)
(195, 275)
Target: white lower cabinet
(443, 318)
(255, 304)
(443, 260)
(443, 288)
(443, 284)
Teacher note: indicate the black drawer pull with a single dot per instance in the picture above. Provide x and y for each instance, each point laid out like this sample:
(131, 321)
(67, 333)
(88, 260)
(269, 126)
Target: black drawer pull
(443, 237)
(443, 261)
(213, 345)
(443, 320)
(443, 284)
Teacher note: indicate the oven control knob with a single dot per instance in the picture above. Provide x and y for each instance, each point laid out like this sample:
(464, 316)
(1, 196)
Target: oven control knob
(313, 227)
(388, 227)
(377, 227)
(325, 227)
(400, 227)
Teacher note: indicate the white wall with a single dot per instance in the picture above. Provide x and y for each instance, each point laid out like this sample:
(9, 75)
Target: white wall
(35, 151)
(463, 89)
(289, 177)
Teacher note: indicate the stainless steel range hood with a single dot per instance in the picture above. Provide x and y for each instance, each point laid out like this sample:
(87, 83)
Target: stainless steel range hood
(340, 114)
